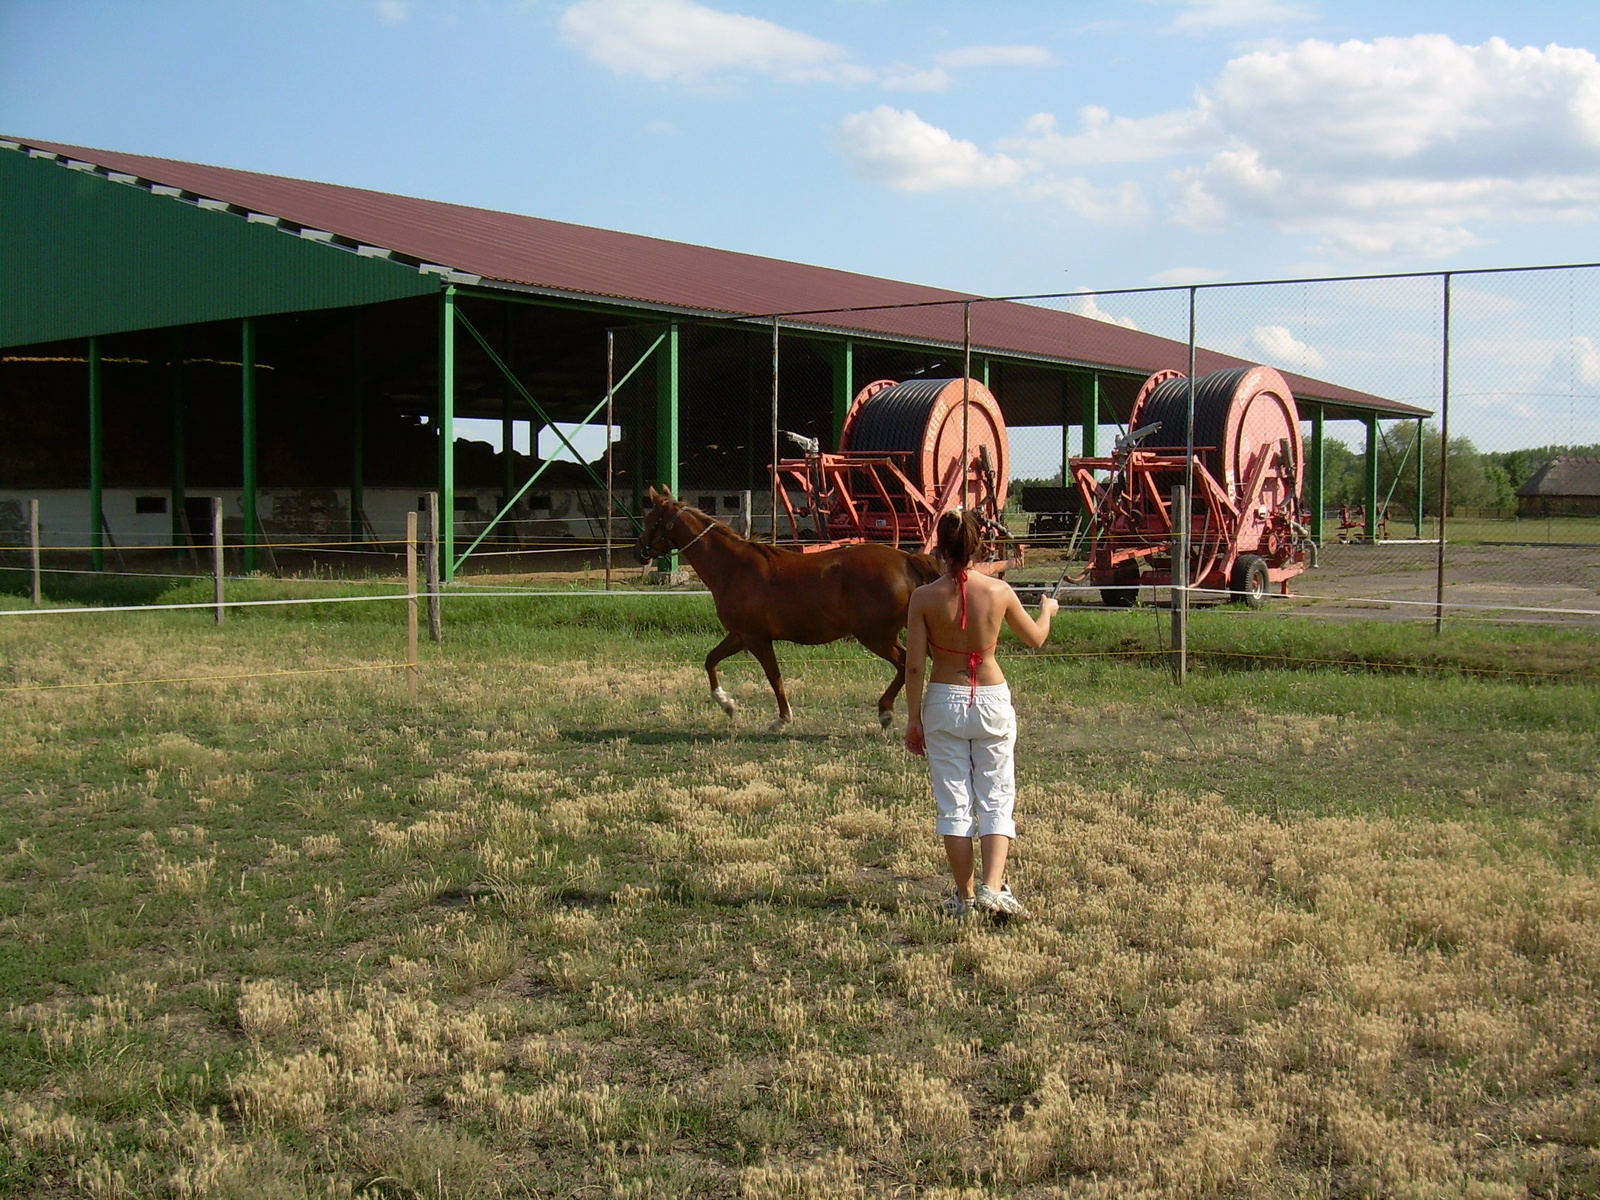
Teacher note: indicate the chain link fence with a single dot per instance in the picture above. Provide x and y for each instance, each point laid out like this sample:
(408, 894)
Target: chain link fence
(1449, 429)
(1449, 424)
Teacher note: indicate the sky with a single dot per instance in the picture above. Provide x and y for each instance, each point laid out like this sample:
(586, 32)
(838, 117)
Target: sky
(1000, 149)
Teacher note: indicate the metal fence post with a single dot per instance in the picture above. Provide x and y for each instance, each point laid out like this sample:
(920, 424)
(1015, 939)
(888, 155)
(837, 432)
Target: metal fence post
(1444, 462)
(435, 617)
(966, 399)
(611, 416)
(247, 402)
(33, 551)
(97, 516)
(216, 554)
(744, 512)
(1180, 583)
(775, 431)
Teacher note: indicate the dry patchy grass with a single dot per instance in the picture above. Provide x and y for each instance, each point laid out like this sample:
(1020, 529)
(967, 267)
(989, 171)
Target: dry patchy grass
(562, 930)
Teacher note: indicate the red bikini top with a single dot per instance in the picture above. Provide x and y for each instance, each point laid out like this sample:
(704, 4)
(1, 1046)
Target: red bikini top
(974, 657)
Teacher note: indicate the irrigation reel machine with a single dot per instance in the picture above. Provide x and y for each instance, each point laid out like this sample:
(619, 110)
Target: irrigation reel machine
(1247, 531)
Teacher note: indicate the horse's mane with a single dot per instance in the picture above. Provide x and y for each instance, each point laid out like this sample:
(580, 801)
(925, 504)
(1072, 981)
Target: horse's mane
(766, 548)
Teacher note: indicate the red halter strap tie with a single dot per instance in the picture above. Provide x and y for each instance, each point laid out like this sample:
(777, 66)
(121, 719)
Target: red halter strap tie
(974, 657)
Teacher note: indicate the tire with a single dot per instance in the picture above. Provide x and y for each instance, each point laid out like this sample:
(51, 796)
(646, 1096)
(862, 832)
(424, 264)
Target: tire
(1250, 580)
(1126, 592)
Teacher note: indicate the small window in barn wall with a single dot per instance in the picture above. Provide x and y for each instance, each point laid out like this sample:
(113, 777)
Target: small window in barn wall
(149, 504)
(706, 503)
(730, 504)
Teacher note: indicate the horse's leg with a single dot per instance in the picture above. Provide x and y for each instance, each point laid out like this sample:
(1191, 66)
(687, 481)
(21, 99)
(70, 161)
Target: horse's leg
(726, 648)
(762, 648)
(887, 646)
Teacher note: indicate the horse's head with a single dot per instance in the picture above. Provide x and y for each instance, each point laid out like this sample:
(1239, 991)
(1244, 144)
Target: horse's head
(655, 539)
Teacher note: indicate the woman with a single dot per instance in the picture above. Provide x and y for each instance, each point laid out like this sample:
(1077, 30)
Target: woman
(966, 726)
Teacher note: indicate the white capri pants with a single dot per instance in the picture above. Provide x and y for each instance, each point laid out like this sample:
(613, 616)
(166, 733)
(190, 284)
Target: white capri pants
(972, 741)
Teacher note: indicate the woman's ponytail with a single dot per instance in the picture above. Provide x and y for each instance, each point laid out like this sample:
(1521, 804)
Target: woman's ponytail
(958, 539)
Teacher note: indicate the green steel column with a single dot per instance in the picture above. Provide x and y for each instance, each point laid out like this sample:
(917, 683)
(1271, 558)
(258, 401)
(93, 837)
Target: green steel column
(247, 374)
(1371, 529)
(1317, 472)
(1091, 419)
(842, 355)
(508, 424)
(447, 432)
(97, 553)
(1417, 452)
(179, 496)
(358, 430)
(986, 382)
(1066, 449)
(667, 393)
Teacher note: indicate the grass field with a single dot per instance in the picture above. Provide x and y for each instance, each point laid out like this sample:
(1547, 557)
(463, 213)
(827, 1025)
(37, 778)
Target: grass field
(562, 929)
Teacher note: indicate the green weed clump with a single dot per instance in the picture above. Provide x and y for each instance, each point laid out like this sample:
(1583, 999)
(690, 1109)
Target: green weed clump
(560, 927)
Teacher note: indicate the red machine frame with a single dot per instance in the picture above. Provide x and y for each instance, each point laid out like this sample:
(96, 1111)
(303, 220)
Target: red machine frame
(859, 496)
(1237, 544)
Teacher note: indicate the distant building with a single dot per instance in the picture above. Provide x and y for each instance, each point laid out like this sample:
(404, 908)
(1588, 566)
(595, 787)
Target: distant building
(1564, 486)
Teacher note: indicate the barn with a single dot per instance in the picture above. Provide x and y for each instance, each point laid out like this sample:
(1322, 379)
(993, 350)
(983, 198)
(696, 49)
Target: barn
(1566, 486)
(319, 355)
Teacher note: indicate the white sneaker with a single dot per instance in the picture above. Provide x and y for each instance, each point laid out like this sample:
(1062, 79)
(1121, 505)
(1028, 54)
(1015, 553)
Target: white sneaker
(1001, 903)
(956, 906)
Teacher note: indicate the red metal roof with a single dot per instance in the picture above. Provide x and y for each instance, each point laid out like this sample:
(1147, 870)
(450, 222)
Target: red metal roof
(604, 264)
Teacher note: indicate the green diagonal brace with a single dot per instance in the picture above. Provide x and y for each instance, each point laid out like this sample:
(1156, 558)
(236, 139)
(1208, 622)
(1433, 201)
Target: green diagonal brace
(526, 395)
(523, 491)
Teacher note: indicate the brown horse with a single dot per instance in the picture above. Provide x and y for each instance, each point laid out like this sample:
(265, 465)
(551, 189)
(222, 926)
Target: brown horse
(767, 594)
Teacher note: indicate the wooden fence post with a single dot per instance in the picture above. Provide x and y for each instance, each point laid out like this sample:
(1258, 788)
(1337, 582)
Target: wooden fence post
(411, 604)
(435, 617)
(216, 553)
(33, 550)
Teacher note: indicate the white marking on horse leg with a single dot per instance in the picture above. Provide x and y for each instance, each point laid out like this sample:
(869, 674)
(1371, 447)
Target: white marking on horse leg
(778, 723)
(725, 700)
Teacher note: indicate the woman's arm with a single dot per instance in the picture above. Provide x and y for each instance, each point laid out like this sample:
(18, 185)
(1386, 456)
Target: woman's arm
(916, 667)
(1033, 633)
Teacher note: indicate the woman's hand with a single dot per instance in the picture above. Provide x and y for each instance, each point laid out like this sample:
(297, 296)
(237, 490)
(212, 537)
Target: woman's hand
(916, 743)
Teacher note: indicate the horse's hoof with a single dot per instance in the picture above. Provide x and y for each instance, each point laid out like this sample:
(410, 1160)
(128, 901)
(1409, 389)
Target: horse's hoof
(886, 719)
(724, 700)
(777, 724)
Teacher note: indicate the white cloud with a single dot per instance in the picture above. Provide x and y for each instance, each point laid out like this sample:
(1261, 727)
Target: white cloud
(683, 42)
(1231, 14)
(1183, 276)
(899, 149)
(1401, 145)
(393, 12)
(901, 78)
(1575, 358)
(1120, 204)
(997, 56)
(1398, 147)
(1278, 346)
(1086, 306)
(1102, 138)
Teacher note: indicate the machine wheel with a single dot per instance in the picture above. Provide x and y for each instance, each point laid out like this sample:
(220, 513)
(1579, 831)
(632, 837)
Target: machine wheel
(1126, 591)
(1250, 580)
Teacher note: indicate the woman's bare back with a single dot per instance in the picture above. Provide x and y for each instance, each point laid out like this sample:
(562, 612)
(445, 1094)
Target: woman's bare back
(934, 621)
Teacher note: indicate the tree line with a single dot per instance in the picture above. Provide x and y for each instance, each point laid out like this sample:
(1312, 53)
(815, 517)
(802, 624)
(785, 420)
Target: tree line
(1478, 478)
